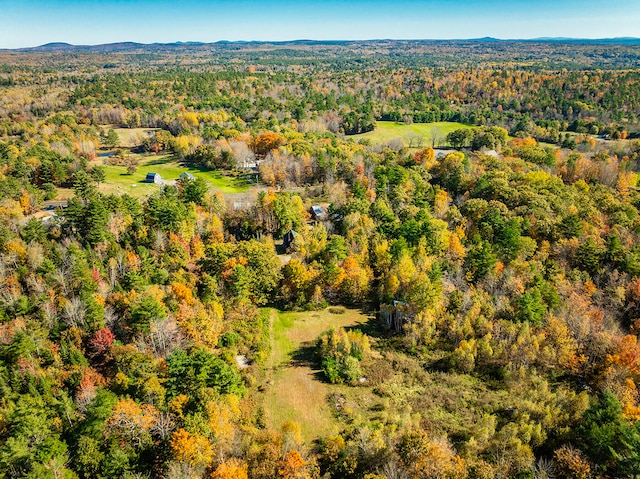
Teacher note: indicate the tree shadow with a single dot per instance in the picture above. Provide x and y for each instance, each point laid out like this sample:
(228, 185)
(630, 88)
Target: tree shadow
(306, 357)
(369, 328)
(373, 327)
(161, 161)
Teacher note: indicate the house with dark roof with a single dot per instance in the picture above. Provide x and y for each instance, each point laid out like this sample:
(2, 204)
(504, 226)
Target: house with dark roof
(153, 178)
(288, 239)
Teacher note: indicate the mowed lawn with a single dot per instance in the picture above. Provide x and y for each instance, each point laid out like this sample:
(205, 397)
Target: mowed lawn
(296, 390)
(389, 130)
(118, 181)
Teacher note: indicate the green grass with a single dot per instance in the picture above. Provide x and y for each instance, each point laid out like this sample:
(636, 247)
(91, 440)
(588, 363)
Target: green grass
(389, 130)
(118, 181)
(226, 184)
(282, 346)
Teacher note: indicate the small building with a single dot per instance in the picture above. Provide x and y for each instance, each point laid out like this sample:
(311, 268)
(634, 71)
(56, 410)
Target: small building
(441, 153)
(288, 239)
(250, 164)
(319, 213)
(153, 178)
(186, 176)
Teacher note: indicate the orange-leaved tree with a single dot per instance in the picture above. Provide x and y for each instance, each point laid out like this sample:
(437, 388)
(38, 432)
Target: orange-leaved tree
(266, 142)
(231, 469)
(293, 466)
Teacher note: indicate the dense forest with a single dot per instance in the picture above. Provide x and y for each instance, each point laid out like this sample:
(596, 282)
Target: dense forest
(495, 265)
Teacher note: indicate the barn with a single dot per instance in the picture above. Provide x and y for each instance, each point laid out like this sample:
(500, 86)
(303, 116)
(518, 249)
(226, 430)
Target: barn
(153, 178)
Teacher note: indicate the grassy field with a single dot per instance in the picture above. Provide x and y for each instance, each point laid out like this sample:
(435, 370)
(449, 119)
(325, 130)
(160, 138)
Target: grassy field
(118, 181)
(296, 390)
(130, 137)
(389, 130)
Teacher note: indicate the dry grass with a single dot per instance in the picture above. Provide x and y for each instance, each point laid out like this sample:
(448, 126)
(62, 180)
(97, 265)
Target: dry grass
(297, 395)
(64, 194)
(309, 325)
(296, 390)
(132, 137)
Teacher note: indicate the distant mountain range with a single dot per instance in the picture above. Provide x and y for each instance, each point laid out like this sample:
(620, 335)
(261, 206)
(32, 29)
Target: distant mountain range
(595, 41)
(107, 47)
(130, 46)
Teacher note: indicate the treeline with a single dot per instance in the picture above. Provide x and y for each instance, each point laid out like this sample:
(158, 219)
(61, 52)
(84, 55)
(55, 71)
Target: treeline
(541, 103)
(505, 275)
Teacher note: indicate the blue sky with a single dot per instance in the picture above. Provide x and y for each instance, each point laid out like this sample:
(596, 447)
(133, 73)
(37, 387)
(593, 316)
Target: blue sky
(34, 22)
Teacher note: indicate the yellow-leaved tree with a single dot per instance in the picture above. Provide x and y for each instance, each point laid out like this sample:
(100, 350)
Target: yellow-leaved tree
(131, 423)
(201, 323)
(192, 448)
(222, 416)
(231, 469)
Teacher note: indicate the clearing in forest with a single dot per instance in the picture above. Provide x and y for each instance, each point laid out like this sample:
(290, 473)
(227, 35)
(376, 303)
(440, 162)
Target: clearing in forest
(131, 137)
(296, 390)
(417, 135)
(119, 181)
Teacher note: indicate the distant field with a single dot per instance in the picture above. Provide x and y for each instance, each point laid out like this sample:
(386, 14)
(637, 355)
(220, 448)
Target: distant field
(131, 137)
(118, 181)
(297, 391)
(389, 130)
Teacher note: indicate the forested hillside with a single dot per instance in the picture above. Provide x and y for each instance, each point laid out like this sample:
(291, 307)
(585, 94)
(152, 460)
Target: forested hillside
(477, 288)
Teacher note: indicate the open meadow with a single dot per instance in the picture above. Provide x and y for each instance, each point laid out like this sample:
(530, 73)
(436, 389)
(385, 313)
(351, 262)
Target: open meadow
(297, 390)
(130, 137)
(411, 135)
(119, 181)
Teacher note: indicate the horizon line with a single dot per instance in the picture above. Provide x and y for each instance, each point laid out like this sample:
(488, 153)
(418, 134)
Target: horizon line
(352, 40)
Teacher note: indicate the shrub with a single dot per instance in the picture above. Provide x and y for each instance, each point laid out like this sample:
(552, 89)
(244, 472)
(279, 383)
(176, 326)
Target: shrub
(340, 354)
